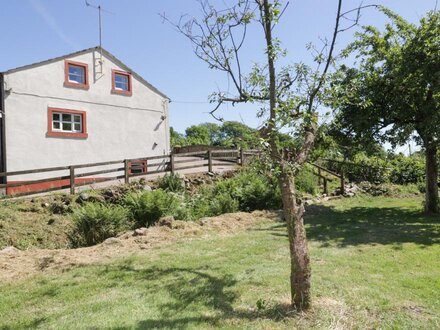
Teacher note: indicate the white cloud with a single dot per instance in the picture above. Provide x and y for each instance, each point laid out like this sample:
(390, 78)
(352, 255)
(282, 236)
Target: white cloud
(41, 10)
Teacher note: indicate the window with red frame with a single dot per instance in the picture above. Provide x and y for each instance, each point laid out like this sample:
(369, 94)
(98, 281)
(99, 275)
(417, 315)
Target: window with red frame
(138, 167)
(76, 75)
(121, 82)
(66, 123)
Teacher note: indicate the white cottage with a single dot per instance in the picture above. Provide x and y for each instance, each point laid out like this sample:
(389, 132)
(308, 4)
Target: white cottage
(85, 107)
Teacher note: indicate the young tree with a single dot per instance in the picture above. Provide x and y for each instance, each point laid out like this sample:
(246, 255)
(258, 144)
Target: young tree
(394, 90)
(288, 97)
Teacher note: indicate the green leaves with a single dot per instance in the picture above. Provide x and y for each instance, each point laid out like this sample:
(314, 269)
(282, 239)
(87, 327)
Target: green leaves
(394, 89)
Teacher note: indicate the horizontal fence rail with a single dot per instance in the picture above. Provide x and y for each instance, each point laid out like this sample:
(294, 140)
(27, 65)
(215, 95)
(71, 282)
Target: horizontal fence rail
(74, 176)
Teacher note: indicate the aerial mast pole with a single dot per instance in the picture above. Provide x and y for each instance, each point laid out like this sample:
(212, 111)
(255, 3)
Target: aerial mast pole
(99, 8)
(100, 28)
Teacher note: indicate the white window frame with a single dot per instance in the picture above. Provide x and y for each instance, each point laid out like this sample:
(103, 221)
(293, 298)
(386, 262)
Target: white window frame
(84, 78)
(126, 76)
(72, 122)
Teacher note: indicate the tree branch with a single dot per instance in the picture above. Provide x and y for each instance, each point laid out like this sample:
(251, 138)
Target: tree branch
(310, 129)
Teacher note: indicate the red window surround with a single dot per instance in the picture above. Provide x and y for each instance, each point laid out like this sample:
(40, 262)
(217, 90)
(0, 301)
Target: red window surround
(138, 167)
(129, 92)
(68, 83)
(53, 133)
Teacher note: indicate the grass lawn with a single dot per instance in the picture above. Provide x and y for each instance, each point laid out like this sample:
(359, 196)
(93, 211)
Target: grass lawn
(375, 261)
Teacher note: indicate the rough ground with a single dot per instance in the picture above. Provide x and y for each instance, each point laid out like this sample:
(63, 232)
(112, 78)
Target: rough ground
(44, 221)
(16, 264)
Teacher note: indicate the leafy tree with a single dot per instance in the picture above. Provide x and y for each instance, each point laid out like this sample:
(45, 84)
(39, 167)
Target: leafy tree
(347, 146)
(393, 92)
(229, 134)
(206, 134)
(288, 97)
(177, 139)
(198, 134)
(234, 133)
(214, 132)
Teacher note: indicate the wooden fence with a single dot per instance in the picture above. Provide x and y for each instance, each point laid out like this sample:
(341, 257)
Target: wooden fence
(288, 154)
(324, 179)
(74, 175)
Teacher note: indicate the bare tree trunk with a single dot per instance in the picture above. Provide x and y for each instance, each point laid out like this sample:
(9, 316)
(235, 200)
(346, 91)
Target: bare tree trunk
(431, 168)
(293, 212)
(300, 272)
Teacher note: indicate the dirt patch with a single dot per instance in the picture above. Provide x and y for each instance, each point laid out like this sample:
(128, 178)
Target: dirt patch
(14, 266)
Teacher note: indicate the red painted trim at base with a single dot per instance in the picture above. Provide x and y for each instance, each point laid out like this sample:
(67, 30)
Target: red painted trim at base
(40, 187)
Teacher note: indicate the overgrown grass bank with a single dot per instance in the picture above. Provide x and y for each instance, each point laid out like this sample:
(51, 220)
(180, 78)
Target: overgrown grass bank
(375, 265)
(27, 224)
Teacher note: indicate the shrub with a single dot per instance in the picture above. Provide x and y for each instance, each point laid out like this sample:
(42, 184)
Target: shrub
(116, 194)
(171, 182)
(421, 186)
(199, 204)
(407, 170)
(223, 203)
(398, 169)
(372, 169)
(95, 222)
(147, 207)
(306, 181)
(252, 191)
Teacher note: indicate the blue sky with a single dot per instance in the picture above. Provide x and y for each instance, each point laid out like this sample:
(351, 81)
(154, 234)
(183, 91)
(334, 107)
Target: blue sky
(35, 30)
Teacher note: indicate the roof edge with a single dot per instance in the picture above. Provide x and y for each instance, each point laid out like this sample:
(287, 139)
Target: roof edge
(84, 51)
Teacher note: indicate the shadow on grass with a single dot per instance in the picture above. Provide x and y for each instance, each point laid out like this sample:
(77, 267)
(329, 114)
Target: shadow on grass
(191, 297)
(367, 225)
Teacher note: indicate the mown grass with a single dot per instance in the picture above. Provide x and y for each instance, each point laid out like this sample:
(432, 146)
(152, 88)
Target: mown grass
(375, 265)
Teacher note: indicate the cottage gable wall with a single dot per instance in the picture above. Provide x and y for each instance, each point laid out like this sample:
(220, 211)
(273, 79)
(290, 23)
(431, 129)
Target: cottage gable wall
(118, 126)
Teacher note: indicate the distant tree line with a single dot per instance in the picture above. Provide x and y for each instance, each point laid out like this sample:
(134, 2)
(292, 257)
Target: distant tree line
(230, 134)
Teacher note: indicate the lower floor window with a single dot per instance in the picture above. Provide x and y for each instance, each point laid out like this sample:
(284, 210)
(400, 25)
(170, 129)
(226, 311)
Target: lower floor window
(66, 123)
(138, 167)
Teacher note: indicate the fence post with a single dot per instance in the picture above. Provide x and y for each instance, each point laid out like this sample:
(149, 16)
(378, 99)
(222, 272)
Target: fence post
(72, 179)
(209, 160)
(342, 183)
(325, 186)
(126, 171)
(241, 157)
(172, 161)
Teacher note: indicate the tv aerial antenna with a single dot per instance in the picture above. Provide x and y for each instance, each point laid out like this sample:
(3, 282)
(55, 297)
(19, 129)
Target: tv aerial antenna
(100, 9)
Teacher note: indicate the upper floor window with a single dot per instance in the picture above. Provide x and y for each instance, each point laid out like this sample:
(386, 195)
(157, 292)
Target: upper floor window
(66, 123)
(76, 74)
(121, 82)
